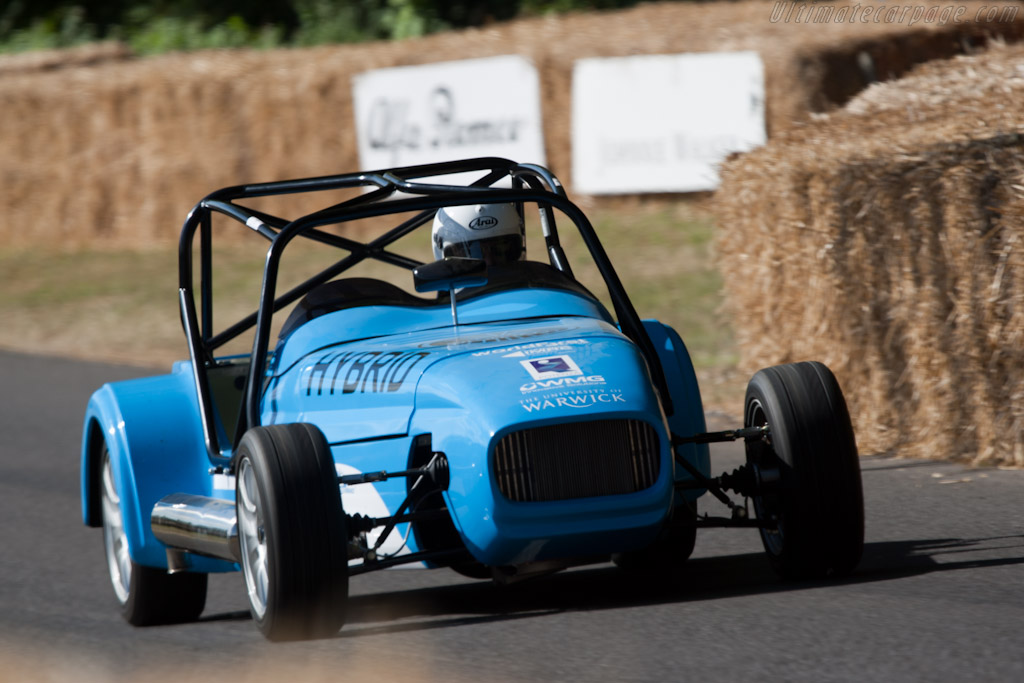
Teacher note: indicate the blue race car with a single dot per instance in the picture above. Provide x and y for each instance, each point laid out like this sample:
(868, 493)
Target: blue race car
(493, 416)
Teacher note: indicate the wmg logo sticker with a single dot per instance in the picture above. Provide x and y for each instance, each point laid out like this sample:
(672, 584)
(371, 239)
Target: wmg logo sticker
(551, 367)
(561, 383)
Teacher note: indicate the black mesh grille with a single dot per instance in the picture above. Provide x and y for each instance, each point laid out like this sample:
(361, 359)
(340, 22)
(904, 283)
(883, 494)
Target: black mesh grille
(577, 460)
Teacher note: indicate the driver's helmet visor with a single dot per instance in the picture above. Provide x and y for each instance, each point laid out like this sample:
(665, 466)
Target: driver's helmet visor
(493, 250)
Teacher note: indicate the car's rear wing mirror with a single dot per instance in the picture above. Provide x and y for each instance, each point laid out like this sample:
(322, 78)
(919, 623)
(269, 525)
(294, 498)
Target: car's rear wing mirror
(449, 273)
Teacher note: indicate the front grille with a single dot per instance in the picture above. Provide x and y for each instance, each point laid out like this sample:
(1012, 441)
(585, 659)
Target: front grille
(577, 460)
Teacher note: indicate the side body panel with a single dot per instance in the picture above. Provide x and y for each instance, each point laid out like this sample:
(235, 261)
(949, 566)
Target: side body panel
(151, 428)
(688, 418)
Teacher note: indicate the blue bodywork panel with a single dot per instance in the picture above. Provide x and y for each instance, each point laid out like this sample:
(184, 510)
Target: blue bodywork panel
(152, 431)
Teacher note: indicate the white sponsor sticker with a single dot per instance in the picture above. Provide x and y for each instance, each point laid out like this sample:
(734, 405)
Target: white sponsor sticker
(577, 400)
(533, 349)
(551, 367)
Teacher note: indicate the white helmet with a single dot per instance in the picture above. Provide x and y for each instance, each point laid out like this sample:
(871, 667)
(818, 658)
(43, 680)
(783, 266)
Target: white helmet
(492, 232)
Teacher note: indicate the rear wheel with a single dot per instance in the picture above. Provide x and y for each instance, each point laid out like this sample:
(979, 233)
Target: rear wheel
(292, 532)
(148, 596)
(816, 504)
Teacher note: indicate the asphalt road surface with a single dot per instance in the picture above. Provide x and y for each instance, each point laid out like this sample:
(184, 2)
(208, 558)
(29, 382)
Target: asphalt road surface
(939, 595)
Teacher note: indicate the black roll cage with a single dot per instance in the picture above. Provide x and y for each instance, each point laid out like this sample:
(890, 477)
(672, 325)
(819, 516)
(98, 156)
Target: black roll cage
(530, 183)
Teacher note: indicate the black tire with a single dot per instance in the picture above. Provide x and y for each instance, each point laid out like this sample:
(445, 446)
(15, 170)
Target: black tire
(293, 532)
(670, 550)
(158, 598)
(148, 596)
(817, 501)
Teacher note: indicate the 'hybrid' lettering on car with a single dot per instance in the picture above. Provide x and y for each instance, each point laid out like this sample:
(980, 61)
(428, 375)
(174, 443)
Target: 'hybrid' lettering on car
(373, 371)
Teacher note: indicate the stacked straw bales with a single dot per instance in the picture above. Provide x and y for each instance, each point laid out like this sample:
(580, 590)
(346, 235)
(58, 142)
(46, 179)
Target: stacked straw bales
(110, 151)
(887, 240)
(46, 60)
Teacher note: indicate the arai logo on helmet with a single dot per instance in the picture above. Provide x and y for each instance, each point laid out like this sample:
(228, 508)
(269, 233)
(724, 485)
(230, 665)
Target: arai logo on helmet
(483, 223)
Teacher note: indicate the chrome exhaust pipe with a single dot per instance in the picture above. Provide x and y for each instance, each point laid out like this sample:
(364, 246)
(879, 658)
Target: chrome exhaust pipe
(197, 524)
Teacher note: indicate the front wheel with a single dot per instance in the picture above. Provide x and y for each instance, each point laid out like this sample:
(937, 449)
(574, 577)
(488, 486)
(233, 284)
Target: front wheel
(292, 532)
(816, 506)
(148, 596)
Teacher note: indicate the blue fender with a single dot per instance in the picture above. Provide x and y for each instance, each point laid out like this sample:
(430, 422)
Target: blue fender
(152, 430)
(688, 416)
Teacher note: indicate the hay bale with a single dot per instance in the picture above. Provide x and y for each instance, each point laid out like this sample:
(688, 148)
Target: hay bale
(48, 60)
(114, 150)
(885, 239)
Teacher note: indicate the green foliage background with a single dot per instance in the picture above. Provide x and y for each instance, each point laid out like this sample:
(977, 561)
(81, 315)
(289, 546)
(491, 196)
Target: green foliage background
(154, 26)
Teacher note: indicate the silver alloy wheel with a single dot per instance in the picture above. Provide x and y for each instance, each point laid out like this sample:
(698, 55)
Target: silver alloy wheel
(115, 541)
(253, 539)
(773, 538)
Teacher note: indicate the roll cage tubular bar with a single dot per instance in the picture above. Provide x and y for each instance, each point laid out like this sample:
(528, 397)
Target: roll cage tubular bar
(530, 183)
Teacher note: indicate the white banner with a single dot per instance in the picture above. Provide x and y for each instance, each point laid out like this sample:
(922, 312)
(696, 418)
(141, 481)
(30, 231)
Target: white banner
(663, 123)
(447, 111)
